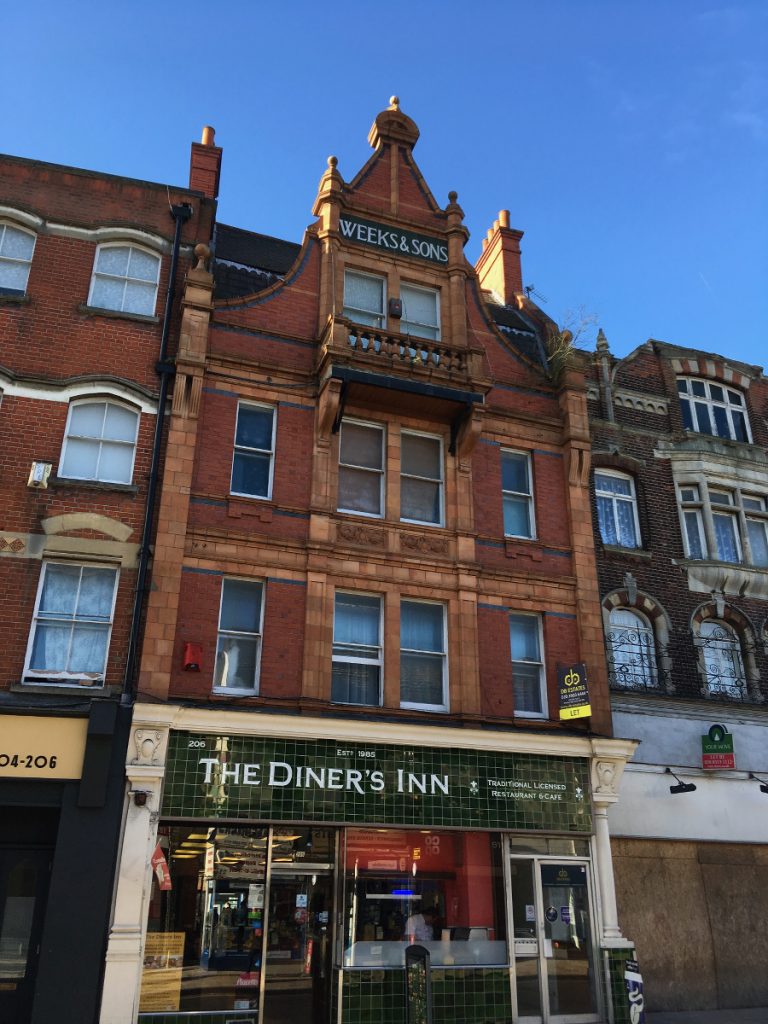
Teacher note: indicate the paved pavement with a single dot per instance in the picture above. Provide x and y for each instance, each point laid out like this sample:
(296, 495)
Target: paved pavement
(756, 1015)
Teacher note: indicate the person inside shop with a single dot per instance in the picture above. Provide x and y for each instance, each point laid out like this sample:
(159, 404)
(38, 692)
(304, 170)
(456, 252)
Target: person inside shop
(420, 927)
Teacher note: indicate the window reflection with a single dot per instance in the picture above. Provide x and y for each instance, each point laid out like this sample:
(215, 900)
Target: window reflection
(442, 890)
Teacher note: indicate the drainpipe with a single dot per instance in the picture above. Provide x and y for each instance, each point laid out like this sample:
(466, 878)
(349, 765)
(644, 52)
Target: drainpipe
(181, 213)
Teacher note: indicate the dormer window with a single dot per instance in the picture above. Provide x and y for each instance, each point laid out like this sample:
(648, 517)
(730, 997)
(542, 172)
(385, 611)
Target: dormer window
(710, 408)
(364, 296)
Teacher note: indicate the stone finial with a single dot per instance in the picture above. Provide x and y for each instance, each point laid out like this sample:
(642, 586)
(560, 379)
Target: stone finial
(203, 254)
(392, 125)
(333, 163)
(602, 341)
(453, 197)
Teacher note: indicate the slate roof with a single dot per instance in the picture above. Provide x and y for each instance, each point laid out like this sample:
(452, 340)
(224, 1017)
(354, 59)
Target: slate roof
(247, 262)
(520, 331)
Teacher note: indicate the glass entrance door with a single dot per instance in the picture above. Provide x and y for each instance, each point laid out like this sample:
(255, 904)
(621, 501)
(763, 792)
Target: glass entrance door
(298, 946)
(554, 961)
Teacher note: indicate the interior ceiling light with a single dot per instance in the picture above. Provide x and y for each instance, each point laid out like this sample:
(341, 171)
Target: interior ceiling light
(681, 787)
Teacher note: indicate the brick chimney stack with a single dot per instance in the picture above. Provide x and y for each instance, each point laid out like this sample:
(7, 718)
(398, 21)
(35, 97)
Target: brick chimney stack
(205, 165)
(499, 268)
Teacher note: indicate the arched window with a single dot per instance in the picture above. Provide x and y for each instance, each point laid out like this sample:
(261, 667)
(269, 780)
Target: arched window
(713, 408)
(100, 442)
(631, 651)
(722, 658)
(16, 248)
(125, 279)
(617, 509)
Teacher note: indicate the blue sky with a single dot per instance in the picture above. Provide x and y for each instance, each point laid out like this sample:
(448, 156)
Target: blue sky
(628, 138)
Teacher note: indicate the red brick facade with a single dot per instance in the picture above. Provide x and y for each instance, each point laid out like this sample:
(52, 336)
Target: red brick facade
(289, 348)
(56, 350)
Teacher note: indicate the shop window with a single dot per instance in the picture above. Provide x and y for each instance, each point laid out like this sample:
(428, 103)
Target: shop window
(443, 890)
(517, 495)
(421, 478)
(72, 624)
(252, 463)
(238, 646)
(617, 509)
(422, 656)
(125, 279)
(364, 297)
(16, 250)
(527, 666)
(631, 651)
(721, 655)
(100, 442)
(361, 468)
(357, 652)
(208, 926)
(421, 312)
(710, 408)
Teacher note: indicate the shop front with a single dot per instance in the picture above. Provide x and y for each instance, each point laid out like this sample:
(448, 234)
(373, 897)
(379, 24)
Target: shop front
(293, 874)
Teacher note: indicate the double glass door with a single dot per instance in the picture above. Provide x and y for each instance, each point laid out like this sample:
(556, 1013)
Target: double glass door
(554, 963)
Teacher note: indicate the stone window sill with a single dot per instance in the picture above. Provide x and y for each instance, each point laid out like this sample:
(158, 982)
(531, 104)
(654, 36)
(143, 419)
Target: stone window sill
(92, 485)
(117, 314)
(632, 554)
(64, 689)
(14, 300)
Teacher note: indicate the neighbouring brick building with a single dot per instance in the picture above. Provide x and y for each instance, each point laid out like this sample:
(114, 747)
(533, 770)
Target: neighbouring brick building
(85, 270)
(680, 457)
(375, 549)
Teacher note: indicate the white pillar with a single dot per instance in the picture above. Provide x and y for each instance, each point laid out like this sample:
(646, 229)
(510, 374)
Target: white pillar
(123, 964)
(604, 864)
(607, 770)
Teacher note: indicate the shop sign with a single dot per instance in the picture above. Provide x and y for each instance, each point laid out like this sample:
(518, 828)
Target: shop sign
(717, 749)
(634, 982)
(278, 779)
(394, 240)
(38, 747)
(574, 695)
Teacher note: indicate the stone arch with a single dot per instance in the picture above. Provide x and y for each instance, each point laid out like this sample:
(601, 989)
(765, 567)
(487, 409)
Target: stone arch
(631, 598)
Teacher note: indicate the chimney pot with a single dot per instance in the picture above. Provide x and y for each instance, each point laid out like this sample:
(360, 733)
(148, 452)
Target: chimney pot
(504, 218)
(209, 134)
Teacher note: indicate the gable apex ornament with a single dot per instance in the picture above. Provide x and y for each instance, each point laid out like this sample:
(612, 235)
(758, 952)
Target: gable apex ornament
(392, 125)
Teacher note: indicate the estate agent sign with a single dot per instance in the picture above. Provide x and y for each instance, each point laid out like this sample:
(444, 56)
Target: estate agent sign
(717, 749)
(574, 695)
(278, 779)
